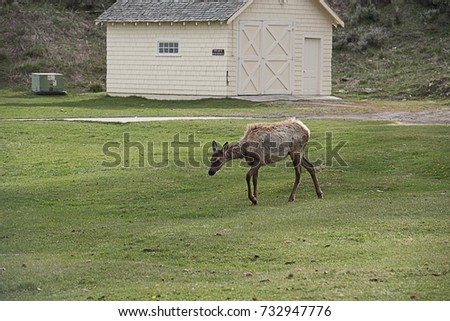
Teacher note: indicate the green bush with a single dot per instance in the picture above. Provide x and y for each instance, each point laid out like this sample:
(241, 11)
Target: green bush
(31, 66)
(365, 14)
(364, 28)
(434, 88)
(95, 87)
(434, 3)
(439, 6)
(37, 51)
(360, 39)
(430, 15)
(3, 56)
(373, 37)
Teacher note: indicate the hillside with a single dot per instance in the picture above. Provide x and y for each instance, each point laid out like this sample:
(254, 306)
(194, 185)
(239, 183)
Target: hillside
(50, 38)
(381, 53)
(397, 51)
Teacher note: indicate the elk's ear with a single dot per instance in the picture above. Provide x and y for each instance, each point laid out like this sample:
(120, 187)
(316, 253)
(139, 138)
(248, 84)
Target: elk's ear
(214, 145)
(225, 147)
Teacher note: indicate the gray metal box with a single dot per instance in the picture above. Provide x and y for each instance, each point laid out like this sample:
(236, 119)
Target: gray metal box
(47, 84)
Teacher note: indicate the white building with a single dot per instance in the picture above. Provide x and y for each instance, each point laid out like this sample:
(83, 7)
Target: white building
(222, 48)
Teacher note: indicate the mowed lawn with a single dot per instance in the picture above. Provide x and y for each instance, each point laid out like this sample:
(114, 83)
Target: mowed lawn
(72, 228)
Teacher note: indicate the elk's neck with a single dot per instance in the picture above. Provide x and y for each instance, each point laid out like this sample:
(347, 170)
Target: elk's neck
(234, 151)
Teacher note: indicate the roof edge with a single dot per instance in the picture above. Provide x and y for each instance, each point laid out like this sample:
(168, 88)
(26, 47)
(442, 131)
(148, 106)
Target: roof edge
(336, 21)
(228, 17)
(237, 13)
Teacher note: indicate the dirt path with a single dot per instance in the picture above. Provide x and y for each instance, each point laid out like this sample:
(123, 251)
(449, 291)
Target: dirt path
(431, 117)
(313, 109)
(420, 114)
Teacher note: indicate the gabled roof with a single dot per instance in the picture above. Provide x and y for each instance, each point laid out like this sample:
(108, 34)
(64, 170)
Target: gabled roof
(186, 11)
(335, 20)
(159, 11)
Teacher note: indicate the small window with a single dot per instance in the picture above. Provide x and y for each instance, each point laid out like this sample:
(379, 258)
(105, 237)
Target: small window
(168, 48)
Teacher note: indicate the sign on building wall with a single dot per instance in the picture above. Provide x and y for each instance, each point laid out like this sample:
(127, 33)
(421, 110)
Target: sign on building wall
(218, 52)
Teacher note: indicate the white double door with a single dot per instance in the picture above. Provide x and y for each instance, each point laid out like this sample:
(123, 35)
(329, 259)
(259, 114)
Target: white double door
(265, 62)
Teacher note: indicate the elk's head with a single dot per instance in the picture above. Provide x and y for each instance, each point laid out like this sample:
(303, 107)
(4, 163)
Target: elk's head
(218, 158)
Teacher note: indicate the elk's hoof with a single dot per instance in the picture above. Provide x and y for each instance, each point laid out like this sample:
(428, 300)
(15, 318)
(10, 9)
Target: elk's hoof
(254, 201)
(320, 195)
(291, 198)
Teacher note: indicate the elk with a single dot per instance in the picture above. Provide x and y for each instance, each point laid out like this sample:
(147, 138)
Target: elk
(265, 144)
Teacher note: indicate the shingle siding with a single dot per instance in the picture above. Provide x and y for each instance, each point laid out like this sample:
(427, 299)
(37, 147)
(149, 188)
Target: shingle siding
(153, 11)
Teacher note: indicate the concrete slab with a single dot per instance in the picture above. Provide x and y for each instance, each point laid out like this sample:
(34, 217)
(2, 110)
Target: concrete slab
(259, 98)
(272, 98)
(153, 119)
(165, 97)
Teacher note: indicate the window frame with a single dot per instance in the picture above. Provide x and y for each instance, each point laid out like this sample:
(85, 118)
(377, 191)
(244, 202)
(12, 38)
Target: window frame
(171, 44)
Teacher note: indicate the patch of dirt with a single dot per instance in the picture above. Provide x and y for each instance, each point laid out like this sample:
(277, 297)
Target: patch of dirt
(432, 117)
(366, 111)
(435, 88)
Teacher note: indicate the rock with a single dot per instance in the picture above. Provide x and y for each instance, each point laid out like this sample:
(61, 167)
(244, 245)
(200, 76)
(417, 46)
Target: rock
(368, 90)
(149, 250)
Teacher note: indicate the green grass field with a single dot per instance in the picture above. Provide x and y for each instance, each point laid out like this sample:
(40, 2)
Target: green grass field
(15, 104)
(73, 229)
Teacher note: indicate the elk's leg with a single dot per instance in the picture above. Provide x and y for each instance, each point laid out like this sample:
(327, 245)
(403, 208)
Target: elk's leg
(310, 168)
(296, 160)
(255, 183)
(251, 174)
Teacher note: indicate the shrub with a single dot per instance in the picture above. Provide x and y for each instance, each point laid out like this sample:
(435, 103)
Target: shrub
(435, 3)
(441, 6)
(340, 40)
(364, 27)
(37, 51)
(430, 15)
(365, 14)
(95, 87)
(360, 39)
(434, 88)
(374, 36)
(31, 66)
(3, 56)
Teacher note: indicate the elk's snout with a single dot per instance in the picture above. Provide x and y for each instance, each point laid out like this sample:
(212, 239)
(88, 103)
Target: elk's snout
(211, 172)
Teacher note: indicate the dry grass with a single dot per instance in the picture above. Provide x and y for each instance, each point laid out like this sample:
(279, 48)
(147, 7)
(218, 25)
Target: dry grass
(46, 38)
(411, 61)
